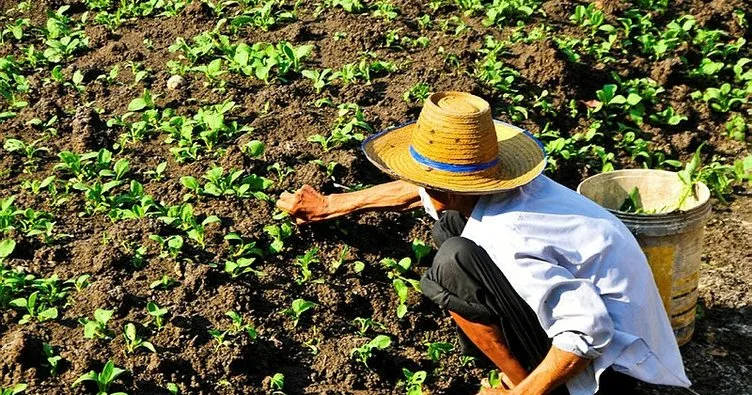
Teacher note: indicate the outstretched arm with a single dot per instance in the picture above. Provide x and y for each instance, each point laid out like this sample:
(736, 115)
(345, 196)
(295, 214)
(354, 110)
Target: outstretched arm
(556, 369)
(308, 205)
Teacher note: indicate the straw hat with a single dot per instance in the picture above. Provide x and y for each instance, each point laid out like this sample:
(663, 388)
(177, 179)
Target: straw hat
(456, 146)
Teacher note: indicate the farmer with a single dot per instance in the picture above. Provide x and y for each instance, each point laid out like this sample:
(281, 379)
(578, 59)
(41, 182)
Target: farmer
(552, 288)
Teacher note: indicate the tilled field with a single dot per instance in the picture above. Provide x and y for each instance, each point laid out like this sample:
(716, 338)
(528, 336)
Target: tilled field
(145, 142)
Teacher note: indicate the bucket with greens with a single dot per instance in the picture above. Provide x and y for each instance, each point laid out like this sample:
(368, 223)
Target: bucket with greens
(666, 212)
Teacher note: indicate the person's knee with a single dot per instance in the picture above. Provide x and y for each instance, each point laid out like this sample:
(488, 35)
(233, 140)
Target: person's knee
(449, 225)
(449, 260)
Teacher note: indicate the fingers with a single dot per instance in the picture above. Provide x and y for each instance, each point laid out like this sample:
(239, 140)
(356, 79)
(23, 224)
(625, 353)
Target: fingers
(285, 202)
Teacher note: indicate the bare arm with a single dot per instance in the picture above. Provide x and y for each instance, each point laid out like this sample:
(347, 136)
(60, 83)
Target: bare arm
(556, 369)
(308, 205)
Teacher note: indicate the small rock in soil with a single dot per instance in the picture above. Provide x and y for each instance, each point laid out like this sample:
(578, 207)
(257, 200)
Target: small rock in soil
(175, 82)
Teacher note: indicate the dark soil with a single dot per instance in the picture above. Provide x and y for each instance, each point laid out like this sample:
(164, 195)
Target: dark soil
(283, 116)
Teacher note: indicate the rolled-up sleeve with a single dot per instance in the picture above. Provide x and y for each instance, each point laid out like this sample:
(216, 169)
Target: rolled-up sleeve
(570, 310)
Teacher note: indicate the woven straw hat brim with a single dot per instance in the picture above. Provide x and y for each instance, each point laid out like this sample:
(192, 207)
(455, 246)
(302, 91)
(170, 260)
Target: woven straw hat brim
(521, 160)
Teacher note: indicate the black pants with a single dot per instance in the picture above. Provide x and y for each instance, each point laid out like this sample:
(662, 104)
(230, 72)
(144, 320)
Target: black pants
(465, 280)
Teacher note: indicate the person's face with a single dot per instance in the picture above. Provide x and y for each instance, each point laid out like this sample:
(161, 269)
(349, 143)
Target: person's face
(442, 201)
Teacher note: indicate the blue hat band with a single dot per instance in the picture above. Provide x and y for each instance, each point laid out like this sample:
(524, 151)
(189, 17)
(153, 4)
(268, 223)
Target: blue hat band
(452, 167)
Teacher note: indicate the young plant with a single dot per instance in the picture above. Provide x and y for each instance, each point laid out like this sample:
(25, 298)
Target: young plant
(737, 127)
(241, 266)
(327, 167)
(158, 173)
(35, 308)
(277, 383)
(320, 79)
(420, 249)
(364, 324)
(219, 339)
(171, 246)
(417, 93)
(30, 150)
(414, 381)
(305, 261)
(164, 282)
(158, 313)
(399, 281)
(103, 379)
(80, 282)
(133, 341)
(239, 326)
(438, 349)
(254, 148)
(97, 328)
(13, 389)
(365, 352)
(280, 171)
(53, 359)
(340, 259)
(296, 310)
(279, 233)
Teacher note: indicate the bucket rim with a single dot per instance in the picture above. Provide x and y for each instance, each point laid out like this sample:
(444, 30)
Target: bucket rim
(702, 208)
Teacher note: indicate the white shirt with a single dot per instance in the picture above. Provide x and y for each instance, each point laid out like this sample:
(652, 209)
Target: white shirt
(586, 278)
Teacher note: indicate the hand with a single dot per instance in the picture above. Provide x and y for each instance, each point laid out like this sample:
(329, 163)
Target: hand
(305, 205)
(505, 388)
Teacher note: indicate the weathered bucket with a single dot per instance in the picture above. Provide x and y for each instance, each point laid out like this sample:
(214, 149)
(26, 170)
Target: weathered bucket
(671, 241)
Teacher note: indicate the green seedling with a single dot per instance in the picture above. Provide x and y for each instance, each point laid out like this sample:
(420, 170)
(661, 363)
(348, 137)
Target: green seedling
(97, 328)
(171, 246)
(254, 148)
(296, 310)
(633, 202)
(158, 173)
(722, 99)
(164, 282)
(385, 9)
(466, 360)
(305, 261)
(417, 93)
(327, 167)
(347, 128)
(414, 381)
(280, 171)
(320, 79)
(241, 266)
(133, 341)
(30, 150)
(277, 383)
(158, 313)
(364, 324)
(420, 249)
(314, 341)
(436, 350)
(400, 283)
(239, 326)
(340, 259)
(36, 186)
(667, 117)
(219, 339)
(494, 379)
(35, 308)
(6, 248)
(365, 352)
(737, 127)
(240, 248)
(80, 282)
(173, 389)
(103, 379)
(52, 359)
(13, 389)
(278, 233)
(212, 71)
